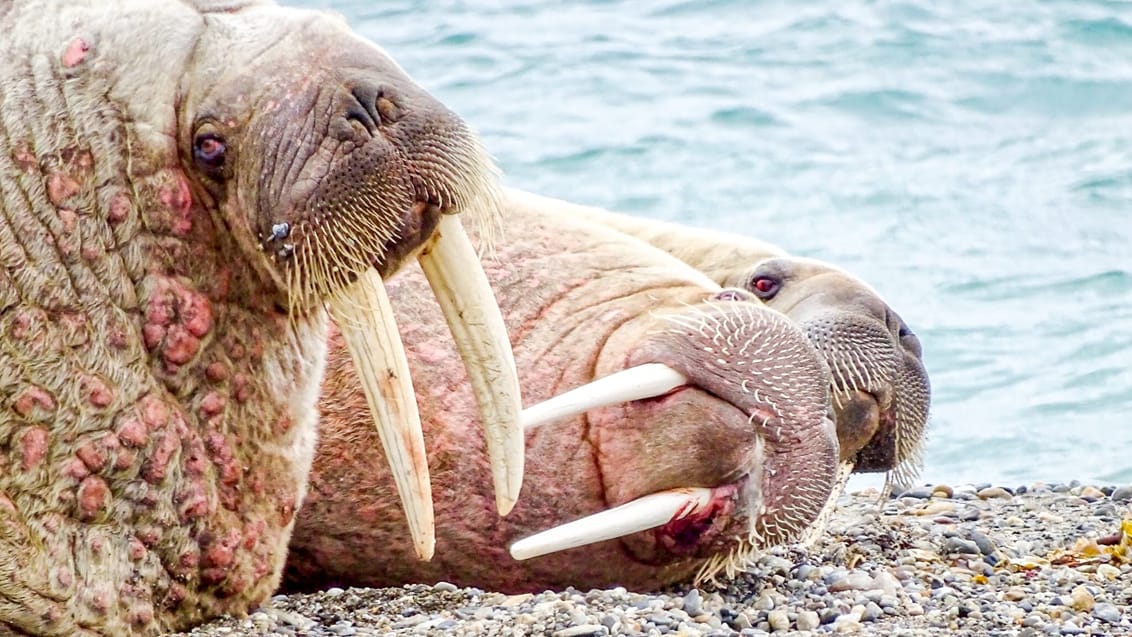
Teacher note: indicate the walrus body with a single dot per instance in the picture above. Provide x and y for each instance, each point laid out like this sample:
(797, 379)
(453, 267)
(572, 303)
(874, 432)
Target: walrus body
(159, 366)
(581, 303)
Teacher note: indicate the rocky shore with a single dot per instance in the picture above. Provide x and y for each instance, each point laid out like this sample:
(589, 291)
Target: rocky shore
(937, 560)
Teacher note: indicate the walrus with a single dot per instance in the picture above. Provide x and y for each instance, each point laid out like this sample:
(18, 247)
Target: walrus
(880, 387)
(340, 528)
(186, 188)
(736, 452)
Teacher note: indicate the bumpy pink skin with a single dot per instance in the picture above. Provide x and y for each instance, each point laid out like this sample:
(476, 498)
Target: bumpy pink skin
(578, 305)
(126, 329)
(157, 403)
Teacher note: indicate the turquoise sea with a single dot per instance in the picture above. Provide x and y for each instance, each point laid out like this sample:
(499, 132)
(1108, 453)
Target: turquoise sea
(972, 160)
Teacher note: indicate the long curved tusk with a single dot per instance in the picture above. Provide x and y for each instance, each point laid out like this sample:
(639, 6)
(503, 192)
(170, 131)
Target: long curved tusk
(642, 514)
(635, 383)
(365, 318)
(453, 270)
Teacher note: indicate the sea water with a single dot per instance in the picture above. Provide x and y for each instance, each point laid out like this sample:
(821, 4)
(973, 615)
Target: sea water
(971, 160)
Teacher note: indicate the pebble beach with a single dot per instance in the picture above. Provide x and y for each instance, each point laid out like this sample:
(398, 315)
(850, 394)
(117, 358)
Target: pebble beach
(1041, 559)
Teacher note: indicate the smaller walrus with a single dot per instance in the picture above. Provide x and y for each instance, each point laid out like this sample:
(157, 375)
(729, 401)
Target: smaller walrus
(881, 406)
(740, 448)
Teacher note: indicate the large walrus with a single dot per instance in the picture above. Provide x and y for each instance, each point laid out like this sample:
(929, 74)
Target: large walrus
(184, 187)
(740, 446)
(565, 282)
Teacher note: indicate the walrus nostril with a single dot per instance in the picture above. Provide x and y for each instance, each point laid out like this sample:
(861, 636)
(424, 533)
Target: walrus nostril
(372, 107)
(734, 294)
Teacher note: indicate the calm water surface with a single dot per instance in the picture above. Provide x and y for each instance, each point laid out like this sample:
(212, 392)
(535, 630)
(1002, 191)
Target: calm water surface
(972, 160)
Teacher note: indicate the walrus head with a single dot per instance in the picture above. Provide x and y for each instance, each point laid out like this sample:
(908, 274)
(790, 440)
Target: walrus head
(880, 389)
(714, 439)
(329, 177)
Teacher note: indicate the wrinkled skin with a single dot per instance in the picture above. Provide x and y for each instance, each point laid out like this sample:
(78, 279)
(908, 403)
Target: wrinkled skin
(159, 365)
(881, 392)
(581, 302)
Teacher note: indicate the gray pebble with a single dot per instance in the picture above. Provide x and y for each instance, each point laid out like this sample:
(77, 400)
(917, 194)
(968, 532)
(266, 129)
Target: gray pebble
(583, 630)
(921, 493)
(693, 604)
(985, 544)
(1122, 494)
(658, 619)
(1107, 612)
(959, 545)
(445, 587)
(872, 612)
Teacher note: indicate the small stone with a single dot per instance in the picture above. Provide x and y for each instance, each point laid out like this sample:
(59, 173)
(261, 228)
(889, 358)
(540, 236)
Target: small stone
(764, 602)
(985, 544)
(942, 491)
(741, 622)
(583, 630)
(1090, 494)
(778, 620)
(333, 591)
(809, 620)
(1014, 594)
(693, 604)
(610, 622)
(994, 493)
(1081, 599)
(775, 563)
(959, 545)
(1107, 612)
(1122, 494)
(920, 493)
(1108, 572)
(872, 612)
(855, 581)
(445, 587)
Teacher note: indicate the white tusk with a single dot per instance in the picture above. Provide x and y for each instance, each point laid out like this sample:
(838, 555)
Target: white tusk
(642, 514)
(365, 318)
(635, 383)
(462, 290)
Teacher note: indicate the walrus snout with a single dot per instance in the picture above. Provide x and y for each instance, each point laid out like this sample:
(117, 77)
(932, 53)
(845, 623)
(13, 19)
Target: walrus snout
(749, 421)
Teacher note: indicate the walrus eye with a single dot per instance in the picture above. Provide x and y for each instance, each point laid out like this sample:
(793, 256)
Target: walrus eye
(208, 152)
(765, 287)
